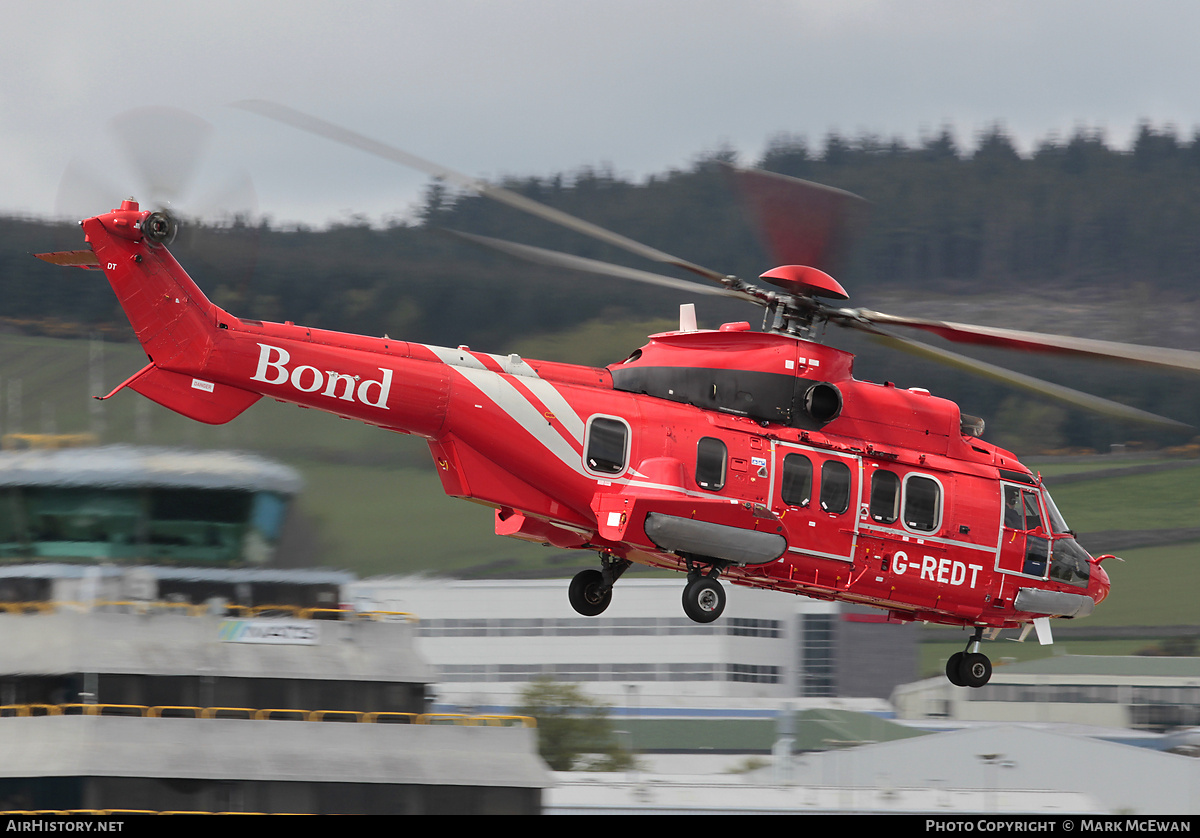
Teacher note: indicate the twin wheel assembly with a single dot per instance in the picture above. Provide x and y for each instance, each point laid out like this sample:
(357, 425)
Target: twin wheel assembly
(591, 592)
(969, 668)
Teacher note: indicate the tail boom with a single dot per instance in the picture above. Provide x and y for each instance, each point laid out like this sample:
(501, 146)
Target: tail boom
(211, 366)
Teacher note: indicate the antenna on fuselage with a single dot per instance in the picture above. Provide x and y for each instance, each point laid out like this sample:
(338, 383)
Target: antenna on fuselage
(687, 317)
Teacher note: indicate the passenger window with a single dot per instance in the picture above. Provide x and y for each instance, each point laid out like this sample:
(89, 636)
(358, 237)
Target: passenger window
(922, 503)
(835, 486)
(607, 445)
(711, 456)
(885, 497)
(797, 480)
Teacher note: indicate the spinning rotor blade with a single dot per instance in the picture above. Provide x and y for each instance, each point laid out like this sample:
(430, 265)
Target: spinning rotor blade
(1016, 379)
(1180, 359)
(314, 125)
(800, 222)
(164, 147)
(163, 158)
(556, 259)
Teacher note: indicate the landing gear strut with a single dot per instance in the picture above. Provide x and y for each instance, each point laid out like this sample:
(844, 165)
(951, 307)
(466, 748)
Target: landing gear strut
(703, 596)
(969, 668)
(591, 589)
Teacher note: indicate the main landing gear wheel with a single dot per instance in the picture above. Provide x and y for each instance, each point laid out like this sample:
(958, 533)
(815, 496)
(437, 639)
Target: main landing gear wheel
(970, 668)
(588, 593)
(703, 599)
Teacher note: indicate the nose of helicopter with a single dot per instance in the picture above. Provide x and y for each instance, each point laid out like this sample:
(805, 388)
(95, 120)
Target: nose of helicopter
(1100, 584)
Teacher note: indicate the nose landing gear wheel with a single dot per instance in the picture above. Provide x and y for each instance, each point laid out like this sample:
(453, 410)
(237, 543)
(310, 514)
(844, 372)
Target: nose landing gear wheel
(703, 599)
(588, 594)
(954, 669)
(968, 669)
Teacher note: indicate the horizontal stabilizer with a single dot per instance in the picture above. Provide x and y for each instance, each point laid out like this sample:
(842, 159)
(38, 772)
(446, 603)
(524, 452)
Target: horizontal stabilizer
(85, 259)
(195, 398)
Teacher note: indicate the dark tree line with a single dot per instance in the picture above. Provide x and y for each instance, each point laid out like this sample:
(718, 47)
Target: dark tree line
(1074, 217)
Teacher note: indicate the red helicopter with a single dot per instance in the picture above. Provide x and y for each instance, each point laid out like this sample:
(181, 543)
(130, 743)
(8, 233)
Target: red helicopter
(753, 456)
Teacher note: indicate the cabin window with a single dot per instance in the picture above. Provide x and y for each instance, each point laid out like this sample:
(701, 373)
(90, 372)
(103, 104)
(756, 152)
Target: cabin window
(885, 497)
(835, 486)
(711, 456)
(797, 480)
(607, 445)
(922, 503)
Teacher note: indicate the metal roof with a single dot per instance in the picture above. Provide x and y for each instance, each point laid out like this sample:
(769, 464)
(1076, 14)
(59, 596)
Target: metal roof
(288, 576)
(1135, 666)
(812, 730)
(237, 749)
(128, 466)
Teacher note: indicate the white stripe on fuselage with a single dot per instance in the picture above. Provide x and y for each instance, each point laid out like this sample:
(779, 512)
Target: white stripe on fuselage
(512, 401)
(505, 394)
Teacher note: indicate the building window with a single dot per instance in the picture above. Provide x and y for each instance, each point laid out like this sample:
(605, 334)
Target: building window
(752, 673)
(817, 655)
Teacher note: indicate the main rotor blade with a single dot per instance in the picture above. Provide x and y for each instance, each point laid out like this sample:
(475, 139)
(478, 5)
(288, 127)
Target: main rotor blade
(556, 259)
(1016, 379)
(1181, 359)
(800, 222)
(314, 125)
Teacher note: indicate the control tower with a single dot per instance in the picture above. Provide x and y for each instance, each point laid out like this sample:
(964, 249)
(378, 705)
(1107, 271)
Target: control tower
(154, 658)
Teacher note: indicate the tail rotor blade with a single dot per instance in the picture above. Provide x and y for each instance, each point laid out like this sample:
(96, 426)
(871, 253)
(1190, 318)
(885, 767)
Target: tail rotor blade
(165, 148)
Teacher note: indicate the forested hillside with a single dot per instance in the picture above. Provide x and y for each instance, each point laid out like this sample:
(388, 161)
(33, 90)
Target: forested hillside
(1076, 237)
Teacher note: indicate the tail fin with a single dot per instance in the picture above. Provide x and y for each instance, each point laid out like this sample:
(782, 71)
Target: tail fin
(173, 320)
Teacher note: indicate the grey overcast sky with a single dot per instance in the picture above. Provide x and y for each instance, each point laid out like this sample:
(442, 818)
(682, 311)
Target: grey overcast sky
(535, 87)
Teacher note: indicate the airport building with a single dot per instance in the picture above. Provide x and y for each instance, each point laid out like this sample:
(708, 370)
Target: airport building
(488, 639)
(154, 661)
(1128, 692)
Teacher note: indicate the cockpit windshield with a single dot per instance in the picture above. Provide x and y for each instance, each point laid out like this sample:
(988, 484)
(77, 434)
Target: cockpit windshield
(1069, 562)
(1058, 525)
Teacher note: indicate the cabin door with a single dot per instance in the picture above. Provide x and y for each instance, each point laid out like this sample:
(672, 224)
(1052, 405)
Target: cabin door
(817, 495)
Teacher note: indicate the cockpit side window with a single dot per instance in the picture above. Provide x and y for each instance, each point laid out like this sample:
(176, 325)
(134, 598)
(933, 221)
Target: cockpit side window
(1033, 514)
(1014, 515)
(1021, 509)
